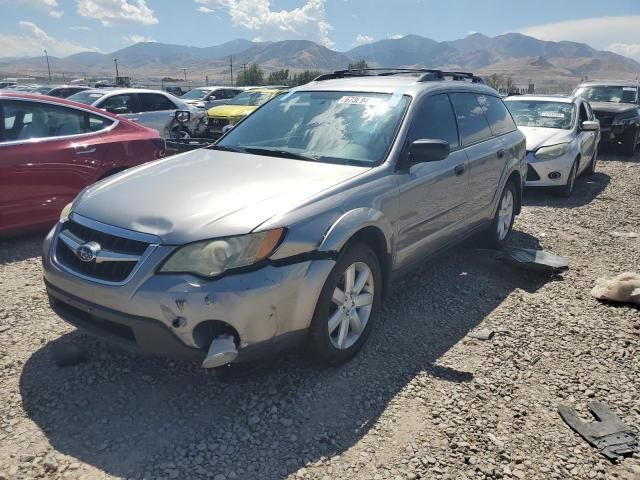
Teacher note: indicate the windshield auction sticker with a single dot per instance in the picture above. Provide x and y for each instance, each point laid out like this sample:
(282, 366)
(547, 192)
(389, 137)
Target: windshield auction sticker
(359, 100)
(552, 114)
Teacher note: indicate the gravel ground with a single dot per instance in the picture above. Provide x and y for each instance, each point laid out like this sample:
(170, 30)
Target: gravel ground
(422, 400)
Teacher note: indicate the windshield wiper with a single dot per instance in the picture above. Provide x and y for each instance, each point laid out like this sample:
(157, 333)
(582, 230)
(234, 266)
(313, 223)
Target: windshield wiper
(226, 149)
(279, 153)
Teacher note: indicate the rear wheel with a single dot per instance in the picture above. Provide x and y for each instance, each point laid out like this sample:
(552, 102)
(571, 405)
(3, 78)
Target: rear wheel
(498, 233)
(567, 190)
(630, 141)
(347, 306)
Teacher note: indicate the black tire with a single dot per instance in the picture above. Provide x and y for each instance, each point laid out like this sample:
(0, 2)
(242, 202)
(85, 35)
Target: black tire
(591, 168)
(180, 133)
(630, 141)
(567, 190)
(492, 237)
(320, 339)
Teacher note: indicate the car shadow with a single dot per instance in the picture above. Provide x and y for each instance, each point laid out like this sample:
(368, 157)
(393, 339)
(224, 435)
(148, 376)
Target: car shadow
(17, 249)
(586, 190)
(127, 414)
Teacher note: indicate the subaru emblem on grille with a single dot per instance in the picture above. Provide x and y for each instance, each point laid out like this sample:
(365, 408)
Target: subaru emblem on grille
(87, 252)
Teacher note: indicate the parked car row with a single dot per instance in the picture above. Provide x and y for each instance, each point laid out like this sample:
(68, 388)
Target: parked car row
(292, 226)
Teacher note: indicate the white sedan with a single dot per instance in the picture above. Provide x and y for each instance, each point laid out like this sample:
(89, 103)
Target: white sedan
(562, 139)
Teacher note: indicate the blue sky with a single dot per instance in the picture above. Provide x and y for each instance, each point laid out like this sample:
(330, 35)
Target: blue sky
(69, 26)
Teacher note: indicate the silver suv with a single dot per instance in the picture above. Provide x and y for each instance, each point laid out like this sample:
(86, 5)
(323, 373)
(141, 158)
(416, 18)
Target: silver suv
(292, 227)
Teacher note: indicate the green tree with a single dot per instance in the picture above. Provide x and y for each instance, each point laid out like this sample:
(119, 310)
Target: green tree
(304, 77)
(358, 65)
(279, 77)
(251, 76)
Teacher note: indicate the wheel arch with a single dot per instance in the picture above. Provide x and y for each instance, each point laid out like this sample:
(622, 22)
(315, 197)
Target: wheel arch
(516, 178)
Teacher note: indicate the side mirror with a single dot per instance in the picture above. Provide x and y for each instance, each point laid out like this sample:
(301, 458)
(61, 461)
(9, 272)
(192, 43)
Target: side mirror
(590, 125)
(428, 150)
(182, 116)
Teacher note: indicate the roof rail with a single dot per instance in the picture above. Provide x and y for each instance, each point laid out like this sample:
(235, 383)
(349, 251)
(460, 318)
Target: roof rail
(427, 74)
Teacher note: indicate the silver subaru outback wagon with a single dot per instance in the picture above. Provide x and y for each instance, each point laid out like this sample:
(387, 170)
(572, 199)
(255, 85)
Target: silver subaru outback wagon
(292, 227)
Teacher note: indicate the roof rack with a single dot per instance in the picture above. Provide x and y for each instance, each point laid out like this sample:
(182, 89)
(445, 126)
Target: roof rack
(426, 74)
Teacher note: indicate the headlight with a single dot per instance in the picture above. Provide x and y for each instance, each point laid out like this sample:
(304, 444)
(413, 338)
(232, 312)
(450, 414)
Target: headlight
(213, 257)
(64, 214)
(545, 153)
(624, 117)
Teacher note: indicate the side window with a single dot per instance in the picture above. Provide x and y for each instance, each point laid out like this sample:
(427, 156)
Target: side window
(583, 113)
(471, 119)
(97, 123)
(119, 104)
(499, 118)
(435, 120)
(153, 102)
(26, 120)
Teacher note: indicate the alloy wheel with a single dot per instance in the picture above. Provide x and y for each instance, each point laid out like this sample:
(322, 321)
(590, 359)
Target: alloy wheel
(351, 305)
(505, 214)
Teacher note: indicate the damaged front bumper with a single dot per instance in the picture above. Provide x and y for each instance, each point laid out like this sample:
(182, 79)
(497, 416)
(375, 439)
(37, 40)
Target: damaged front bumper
(548, 173)
(179, 315)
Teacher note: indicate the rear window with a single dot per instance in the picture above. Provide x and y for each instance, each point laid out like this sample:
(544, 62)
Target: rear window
(153, 102)
(88, 98)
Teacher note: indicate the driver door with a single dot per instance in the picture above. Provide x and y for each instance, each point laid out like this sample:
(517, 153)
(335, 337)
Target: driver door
(432, 197)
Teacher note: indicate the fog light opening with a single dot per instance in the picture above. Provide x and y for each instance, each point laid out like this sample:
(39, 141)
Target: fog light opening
(555, 175)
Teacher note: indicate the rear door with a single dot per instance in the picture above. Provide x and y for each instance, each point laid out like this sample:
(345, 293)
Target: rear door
(48, 153)
(432, 196)
(156, 111)
(487, 150)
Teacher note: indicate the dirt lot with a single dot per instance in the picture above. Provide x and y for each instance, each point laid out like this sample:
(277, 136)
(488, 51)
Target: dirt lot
(422, 400)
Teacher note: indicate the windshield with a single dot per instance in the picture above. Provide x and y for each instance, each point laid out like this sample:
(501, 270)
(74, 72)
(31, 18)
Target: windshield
(195, 94)
(43, 89)
(528, 113)
(88, 98)
(609, 93)
(333, 127)
(254, 99)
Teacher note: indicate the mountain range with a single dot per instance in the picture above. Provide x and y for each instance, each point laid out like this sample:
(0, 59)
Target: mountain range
(525, 58)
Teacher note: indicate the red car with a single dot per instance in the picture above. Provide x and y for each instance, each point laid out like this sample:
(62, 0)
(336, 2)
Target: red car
(51, 148)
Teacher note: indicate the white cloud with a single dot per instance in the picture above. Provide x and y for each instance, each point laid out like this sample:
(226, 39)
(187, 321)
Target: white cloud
(109, 12)
(137, 38)
(48, 5)
(32, 41)
(397, 36)
(361, 39)
(631, 50)
(596, 32)
(305, 22)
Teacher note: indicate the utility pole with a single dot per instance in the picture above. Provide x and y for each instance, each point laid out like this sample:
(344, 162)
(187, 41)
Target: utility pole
(206, 79)
(48, 67)
(185, 74)
(231, 68)
(115, 60)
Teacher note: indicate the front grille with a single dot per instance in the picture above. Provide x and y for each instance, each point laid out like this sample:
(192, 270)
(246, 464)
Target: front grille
(218, 123)
(532, 175)
(605, 118)
(109, 271)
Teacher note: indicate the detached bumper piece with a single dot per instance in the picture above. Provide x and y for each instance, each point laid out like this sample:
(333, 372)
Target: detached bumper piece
(609, 434)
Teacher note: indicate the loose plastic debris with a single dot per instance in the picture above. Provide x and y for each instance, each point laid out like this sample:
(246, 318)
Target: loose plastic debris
(484, 334)
(608, 434)
(530, 259)
(623, 288)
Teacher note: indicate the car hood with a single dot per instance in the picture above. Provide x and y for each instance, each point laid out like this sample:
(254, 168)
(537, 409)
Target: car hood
(231, 111)
(539, 137)
(612, 107)
(207, 193)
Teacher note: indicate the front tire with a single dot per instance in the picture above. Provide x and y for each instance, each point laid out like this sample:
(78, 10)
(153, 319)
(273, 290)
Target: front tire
(567, 190)
(630, 141)
(498, 233)
(591, 168)
(347, 306)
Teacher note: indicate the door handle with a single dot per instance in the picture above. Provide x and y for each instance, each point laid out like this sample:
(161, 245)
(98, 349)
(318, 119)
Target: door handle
(459, 170)
(501, 153)
(86, 152)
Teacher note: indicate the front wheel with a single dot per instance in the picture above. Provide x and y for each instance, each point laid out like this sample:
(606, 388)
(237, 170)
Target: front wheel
(591, 168)
(567, 190)
(498, 233)
(630, 141)
(347, 306)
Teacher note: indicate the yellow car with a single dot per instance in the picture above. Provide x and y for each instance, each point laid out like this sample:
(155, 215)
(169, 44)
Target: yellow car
(223, 117)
